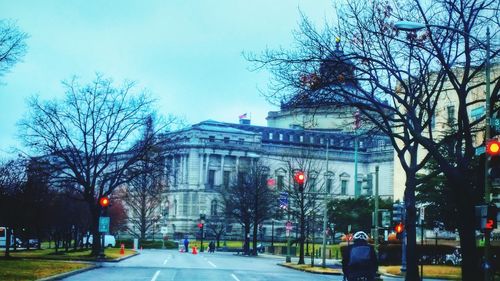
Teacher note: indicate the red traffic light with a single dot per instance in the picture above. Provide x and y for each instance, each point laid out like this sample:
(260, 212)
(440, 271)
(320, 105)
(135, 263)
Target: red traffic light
(104, 202)
(200, 225)
(399, 228)
(493, 147)
(300, 177)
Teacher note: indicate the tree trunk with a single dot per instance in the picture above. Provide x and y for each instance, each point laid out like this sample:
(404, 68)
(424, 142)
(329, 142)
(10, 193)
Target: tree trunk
(7, 242)
(471, 260)
(254, 238)
(246, 245)
(302, 229)
(410, 228)
(96, 236)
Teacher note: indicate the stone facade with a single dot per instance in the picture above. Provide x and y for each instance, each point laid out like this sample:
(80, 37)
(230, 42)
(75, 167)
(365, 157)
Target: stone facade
(206, 156)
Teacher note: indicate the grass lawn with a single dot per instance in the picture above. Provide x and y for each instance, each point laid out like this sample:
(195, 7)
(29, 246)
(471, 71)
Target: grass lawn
(18, 269)
(111, 253)
(308, 268)
(430, 271)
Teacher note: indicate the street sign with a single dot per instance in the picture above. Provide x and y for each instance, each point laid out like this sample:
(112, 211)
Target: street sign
(386, 218)
(103, 224)
(283, 200)
(478, 112)
(288, 225)
(163, 230)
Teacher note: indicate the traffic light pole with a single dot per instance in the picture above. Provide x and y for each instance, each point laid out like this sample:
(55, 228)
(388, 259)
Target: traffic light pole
(486, 158)
(325, 217)
(376, 210)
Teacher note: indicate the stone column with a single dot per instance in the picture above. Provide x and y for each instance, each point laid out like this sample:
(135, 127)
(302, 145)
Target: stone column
(206, 168)
(221, 169)
(200, 179)
(237, 165)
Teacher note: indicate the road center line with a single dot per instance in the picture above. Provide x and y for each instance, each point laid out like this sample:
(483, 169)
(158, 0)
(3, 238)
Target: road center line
(211, 264)
(165, 262)
(156, 275)
(234, 276)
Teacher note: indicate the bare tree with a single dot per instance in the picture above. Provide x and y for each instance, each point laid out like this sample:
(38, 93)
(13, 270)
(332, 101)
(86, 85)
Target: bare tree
(250, 201)
(12, 45)
(398, 81)
(217, 226)
(90, 138)
(144, 193)
(304, 203)
(12, 178)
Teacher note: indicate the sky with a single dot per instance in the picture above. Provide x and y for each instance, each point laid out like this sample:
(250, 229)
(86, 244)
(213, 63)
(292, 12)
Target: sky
(188, 54)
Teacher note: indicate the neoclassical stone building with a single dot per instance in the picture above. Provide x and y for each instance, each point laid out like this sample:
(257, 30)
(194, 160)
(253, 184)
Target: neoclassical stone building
(205, 157)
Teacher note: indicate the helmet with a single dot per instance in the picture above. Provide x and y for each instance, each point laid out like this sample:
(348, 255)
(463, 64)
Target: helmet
(360, 235)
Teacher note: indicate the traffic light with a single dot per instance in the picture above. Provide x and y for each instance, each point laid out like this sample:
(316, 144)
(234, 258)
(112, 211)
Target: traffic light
(493, 147)
(104, 202)
(399, 228)
(494, 167)
(491, 218)
(200, 225)
(299, 179)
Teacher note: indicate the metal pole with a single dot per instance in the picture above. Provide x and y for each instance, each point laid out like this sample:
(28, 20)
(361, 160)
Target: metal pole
(487, 194)
(376, 209)
(325, 217)
(288, 242)
(356, 188)
(272, 234)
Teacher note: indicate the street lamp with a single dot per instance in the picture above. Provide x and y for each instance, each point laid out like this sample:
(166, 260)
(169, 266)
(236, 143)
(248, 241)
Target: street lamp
(415, 26)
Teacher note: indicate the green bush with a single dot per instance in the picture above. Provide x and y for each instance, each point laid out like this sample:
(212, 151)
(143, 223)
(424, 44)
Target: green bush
(147, 244)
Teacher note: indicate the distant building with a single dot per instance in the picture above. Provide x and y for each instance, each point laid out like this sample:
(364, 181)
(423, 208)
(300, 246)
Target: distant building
(203, 158)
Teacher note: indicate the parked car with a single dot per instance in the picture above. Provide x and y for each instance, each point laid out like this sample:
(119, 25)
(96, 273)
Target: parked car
(32, 243)
(109, 240)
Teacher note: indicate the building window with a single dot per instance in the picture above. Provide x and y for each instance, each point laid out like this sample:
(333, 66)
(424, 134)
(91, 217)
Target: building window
(185, 201)
(211, 178)
(175, 207)
(270, 136)
(225, 179)
(343, 187)
(281, 137)
(301, 138)
(241, 141)
(328, 185)
(226, 140)
(211, 138)
(451, 114)
(331, 142)
(290, 138)
(281, 182)
(311, 139)
(312, 184)
(213, 208)
(321, 140)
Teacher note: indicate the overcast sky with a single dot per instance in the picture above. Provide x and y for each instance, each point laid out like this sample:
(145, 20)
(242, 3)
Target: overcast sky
(187, 53)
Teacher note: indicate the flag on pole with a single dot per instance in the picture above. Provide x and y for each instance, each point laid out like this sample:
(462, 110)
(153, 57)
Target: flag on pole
(243, 116)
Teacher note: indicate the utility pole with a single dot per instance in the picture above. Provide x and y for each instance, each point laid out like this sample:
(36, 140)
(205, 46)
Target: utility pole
(487, 192)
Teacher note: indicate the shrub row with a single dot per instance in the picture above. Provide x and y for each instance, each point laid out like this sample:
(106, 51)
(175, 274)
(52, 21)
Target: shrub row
(147, 244)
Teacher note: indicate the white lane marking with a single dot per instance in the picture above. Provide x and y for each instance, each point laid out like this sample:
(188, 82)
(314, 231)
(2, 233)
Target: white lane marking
(156, 275)
(211, 264)
(165, 262)
(234, 276)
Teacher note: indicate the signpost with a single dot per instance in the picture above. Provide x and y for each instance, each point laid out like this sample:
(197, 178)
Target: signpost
(103, 224)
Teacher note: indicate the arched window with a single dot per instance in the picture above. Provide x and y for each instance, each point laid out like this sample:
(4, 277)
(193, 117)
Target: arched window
(213, 208)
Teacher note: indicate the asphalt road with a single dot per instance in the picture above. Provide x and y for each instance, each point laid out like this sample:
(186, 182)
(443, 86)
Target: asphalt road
(170, 265)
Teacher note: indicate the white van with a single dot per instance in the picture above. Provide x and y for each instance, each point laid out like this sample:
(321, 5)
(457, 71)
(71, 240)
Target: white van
(3, 238)
(109, 240)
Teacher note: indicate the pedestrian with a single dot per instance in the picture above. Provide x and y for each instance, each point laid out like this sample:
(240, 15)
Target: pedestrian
(186, 245)
(211, 247)
(360, 260)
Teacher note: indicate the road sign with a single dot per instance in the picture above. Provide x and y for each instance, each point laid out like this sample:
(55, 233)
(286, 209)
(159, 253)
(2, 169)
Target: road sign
(163, 230)
(103, 224)
(477, 112)
(283, 200)
(288, 225)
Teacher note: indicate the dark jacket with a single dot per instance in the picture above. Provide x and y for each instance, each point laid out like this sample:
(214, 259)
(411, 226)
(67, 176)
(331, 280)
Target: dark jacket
(366, 269)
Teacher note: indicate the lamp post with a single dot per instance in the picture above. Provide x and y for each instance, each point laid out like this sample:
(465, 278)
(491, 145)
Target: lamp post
(325, 217)
(414, 26)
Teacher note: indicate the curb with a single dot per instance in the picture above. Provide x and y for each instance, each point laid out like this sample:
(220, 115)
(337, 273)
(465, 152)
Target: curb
(68, 274)
(121, 259)
(314, 272)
